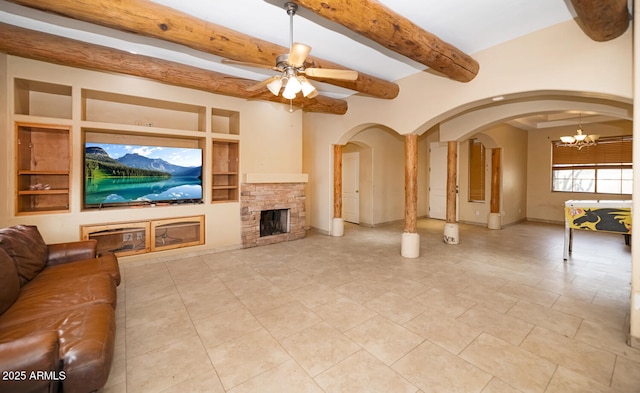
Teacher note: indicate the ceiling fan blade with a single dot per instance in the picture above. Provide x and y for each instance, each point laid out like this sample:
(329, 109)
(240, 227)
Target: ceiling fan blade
(247, 64)
(262, 84)
(348, 75)
(298, 54)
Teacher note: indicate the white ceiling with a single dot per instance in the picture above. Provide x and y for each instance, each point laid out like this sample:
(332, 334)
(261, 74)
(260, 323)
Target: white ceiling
(469, 25)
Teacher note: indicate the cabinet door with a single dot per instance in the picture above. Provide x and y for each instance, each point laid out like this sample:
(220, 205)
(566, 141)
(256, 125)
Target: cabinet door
(177, 232)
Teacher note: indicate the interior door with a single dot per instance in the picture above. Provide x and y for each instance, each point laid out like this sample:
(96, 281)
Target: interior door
(350, 187)
(438, 180)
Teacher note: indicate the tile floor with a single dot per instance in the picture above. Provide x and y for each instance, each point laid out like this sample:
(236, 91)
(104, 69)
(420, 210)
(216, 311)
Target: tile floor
(500, 312)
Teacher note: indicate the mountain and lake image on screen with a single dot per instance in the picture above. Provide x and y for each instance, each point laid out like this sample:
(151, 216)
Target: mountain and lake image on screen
(116, 174)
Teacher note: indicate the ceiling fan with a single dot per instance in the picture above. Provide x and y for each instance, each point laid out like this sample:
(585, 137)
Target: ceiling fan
(291, 67)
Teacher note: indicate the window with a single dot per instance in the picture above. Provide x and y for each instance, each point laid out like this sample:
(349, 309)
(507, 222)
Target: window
(477, 159)
(605, 168)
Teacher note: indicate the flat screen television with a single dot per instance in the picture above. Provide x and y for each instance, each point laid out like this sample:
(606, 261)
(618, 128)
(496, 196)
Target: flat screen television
(122, 174)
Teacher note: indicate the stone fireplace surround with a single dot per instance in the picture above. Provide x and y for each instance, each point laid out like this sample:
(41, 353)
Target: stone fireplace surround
(269, 192)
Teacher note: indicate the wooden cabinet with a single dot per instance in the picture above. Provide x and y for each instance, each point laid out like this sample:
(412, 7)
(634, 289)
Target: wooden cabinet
(225, 170)
(177, 232)
(43, 165)
(138, 237)
(123, 238)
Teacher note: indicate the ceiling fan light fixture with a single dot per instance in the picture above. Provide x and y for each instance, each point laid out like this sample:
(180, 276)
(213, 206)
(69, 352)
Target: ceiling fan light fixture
(292, 88)
(567, 139)
(274, 86)
(307, 88)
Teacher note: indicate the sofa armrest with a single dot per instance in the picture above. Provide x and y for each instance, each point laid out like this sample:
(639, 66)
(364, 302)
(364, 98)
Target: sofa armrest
(30, 364)
(71, 251)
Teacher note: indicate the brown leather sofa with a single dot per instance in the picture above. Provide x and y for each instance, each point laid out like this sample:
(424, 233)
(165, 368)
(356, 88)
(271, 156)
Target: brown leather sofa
(57, 313)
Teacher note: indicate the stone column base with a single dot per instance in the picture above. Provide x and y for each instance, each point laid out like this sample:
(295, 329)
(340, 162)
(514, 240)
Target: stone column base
(451, 235)
(410, 245)
(337, 227)
(494, 221)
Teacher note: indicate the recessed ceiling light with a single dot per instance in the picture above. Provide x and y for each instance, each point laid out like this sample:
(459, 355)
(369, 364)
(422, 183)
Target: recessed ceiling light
(498, 98)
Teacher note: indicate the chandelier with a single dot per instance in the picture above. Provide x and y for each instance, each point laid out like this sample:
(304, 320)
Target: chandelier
(579, 140)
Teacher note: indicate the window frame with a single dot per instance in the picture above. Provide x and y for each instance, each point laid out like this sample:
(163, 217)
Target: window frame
(610, 153)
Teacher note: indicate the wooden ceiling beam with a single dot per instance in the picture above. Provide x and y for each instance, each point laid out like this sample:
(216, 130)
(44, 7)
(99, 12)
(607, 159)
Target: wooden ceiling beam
(154, 20)
(31, 44)
(602, 20)
(380, 24)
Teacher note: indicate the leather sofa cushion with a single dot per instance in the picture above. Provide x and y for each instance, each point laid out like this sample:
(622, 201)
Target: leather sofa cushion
(107, 263)
(86, 339)
(41, 298)
(9, 281)
(31, 354)
(27, 248)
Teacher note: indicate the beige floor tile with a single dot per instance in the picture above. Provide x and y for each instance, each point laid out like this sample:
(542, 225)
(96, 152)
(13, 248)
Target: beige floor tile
(445, 302)
(529, 293)
(363, 373)
(406, 287)
(344, 313)
(291, 280)
(436, 370)
(498, 386)
(288, 377)
(577, 356)
(626, 378)
(385, 339)
(245, 357)
(156, 324)
(202, 301)
(489, 297)
(396, 307)
(547, 318)
(226, 326)
(613, 318)
(447, 332)
(517, 367)
(205, 383)
(156, 372)
(361, 290)
(604, 337)
(314, 294)
(567, 381)
(286, 320)
(263, 298)
(502, 326)
(319, 347)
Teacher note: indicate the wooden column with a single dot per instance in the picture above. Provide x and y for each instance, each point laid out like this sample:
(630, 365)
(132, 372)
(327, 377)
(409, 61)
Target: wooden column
(411, 183)
(495, 180)
(337, 181)
(452, 179)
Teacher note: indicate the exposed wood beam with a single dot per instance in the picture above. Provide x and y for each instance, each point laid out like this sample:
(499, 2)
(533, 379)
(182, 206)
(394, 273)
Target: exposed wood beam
(602, 20)
(154, 20)
(380, 24)
(59, 50)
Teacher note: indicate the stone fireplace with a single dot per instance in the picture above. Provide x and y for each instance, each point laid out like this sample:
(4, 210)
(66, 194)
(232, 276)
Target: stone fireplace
(272, 210)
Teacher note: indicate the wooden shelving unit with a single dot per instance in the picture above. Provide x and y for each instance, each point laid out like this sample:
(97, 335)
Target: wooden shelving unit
(43, 168)
(225, 170)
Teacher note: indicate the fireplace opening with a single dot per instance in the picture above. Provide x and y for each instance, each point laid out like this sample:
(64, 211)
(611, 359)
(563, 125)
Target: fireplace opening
(274, 222)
